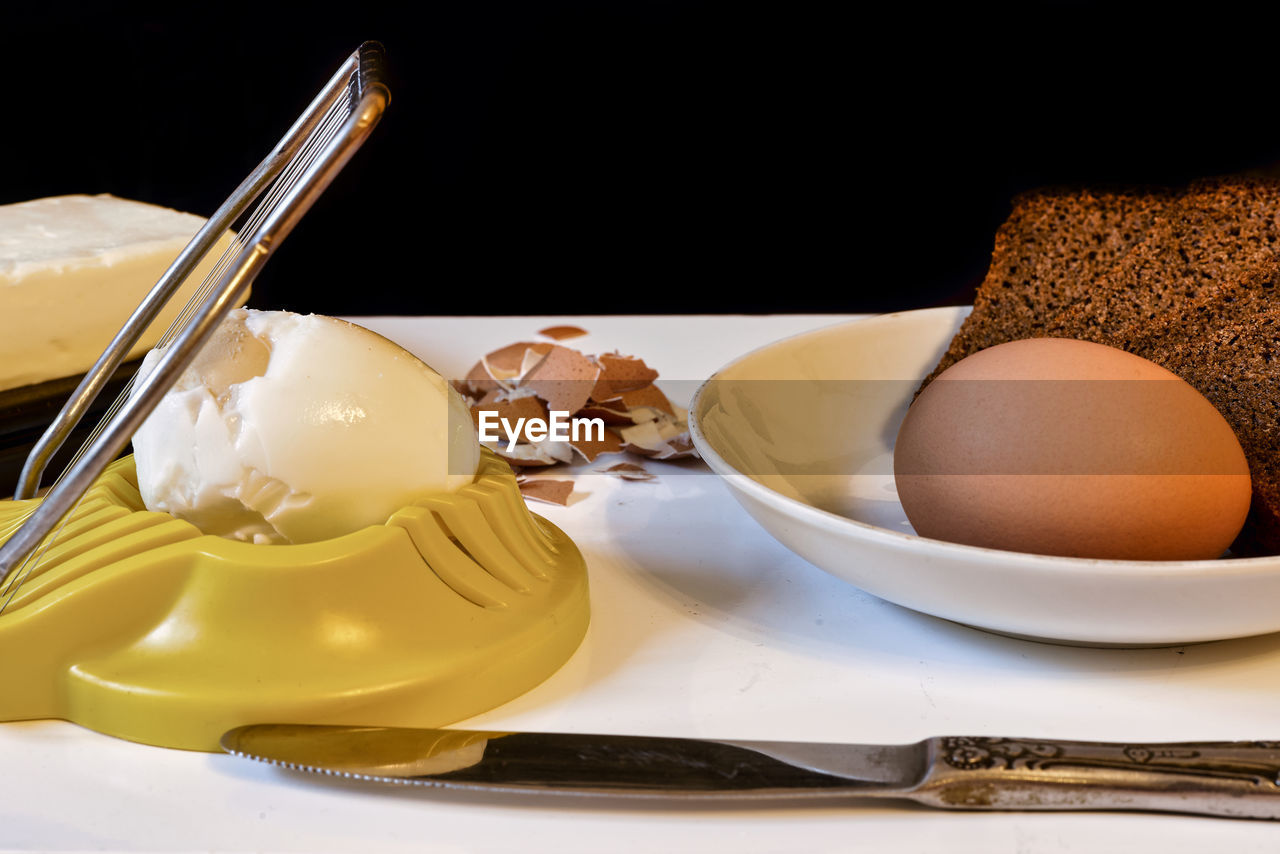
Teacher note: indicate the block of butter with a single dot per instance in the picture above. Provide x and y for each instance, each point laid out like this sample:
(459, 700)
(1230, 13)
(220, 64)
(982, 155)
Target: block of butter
(72, 270)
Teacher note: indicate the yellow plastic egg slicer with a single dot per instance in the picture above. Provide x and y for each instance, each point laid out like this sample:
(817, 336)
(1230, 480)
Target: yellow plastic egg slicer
(137, 625)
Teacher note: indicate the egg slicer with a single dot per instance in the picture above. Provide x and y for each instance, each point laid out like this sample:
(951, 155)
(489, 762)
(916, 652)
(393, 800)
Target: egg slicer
(136, 624)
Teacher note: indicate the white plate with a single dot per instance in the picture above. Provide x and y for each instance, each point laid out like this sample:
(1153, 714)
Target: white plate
(803, 431)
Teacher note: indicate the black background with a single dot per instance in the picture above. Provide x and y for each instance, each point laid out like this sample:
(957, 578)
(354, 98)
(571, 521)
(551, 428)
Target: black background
(642, 157)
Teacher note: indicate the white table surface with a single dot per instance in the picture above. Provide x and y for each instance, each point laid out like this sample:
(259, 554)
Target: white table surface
(702, 625)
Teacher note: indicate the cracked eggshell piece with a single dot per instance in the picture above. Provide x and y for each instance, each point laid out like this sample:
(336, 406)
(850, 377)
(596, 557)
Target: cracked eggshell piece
(619, 390)
(295, 428)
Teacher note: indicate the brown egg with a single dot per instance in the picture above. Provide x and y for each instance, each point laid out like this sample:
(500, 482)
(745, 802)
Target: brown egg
(1064, 447)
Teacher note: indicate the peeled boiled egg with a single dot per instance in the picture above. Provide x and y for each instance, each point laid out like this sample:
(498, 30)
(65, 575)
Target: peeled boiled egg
(291, 428)
(1062, 447)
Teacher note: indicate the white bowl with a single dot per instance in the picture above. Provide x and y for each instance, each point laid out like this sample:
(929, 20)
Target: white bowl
(803, 431)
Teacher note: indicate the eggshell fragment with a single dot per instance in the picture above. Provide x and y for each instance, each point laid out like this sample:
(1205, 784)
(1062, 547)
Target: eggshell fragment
(619, 373)
(546, 490)
(563, 378)
(510, 408)
(609, 443)
(509, 361)
(1063, 447)
(561, 333)
(629, 471)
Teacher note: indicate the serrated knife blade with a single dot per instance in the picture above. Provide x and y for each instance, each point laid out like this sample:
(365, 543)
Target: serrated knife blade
(1228, 779)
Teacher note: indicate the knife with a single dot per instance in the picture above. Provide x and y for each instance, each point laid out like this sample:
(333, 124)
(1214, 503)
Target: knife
(1239, 779)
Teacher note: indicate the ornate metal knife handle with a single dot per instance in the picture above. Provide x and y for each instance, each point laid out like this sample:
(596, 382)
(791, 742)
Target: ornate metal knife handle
(1230, 778)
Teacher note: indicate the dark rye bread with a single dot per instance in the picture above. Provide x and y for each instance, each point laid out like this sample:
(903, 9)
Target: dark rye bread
(1237, 367)
(1219, 234)
(1227, 305)
(1047, 255)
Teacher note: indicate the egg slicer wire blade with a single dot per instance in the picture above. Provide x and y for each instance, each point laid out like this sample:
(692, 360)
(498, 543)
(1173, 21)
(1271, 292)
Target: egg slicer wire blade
(284, 186)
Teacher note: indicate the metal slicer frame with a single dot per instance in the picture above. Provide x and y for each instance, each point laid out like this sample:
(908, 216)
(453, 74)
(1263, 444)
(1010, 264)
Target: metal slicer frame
(285, 185)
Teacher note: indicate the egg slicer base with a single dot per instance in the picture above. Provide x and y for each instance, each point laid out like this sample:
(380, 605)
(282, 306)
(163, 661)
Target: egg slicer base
(141, 627)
